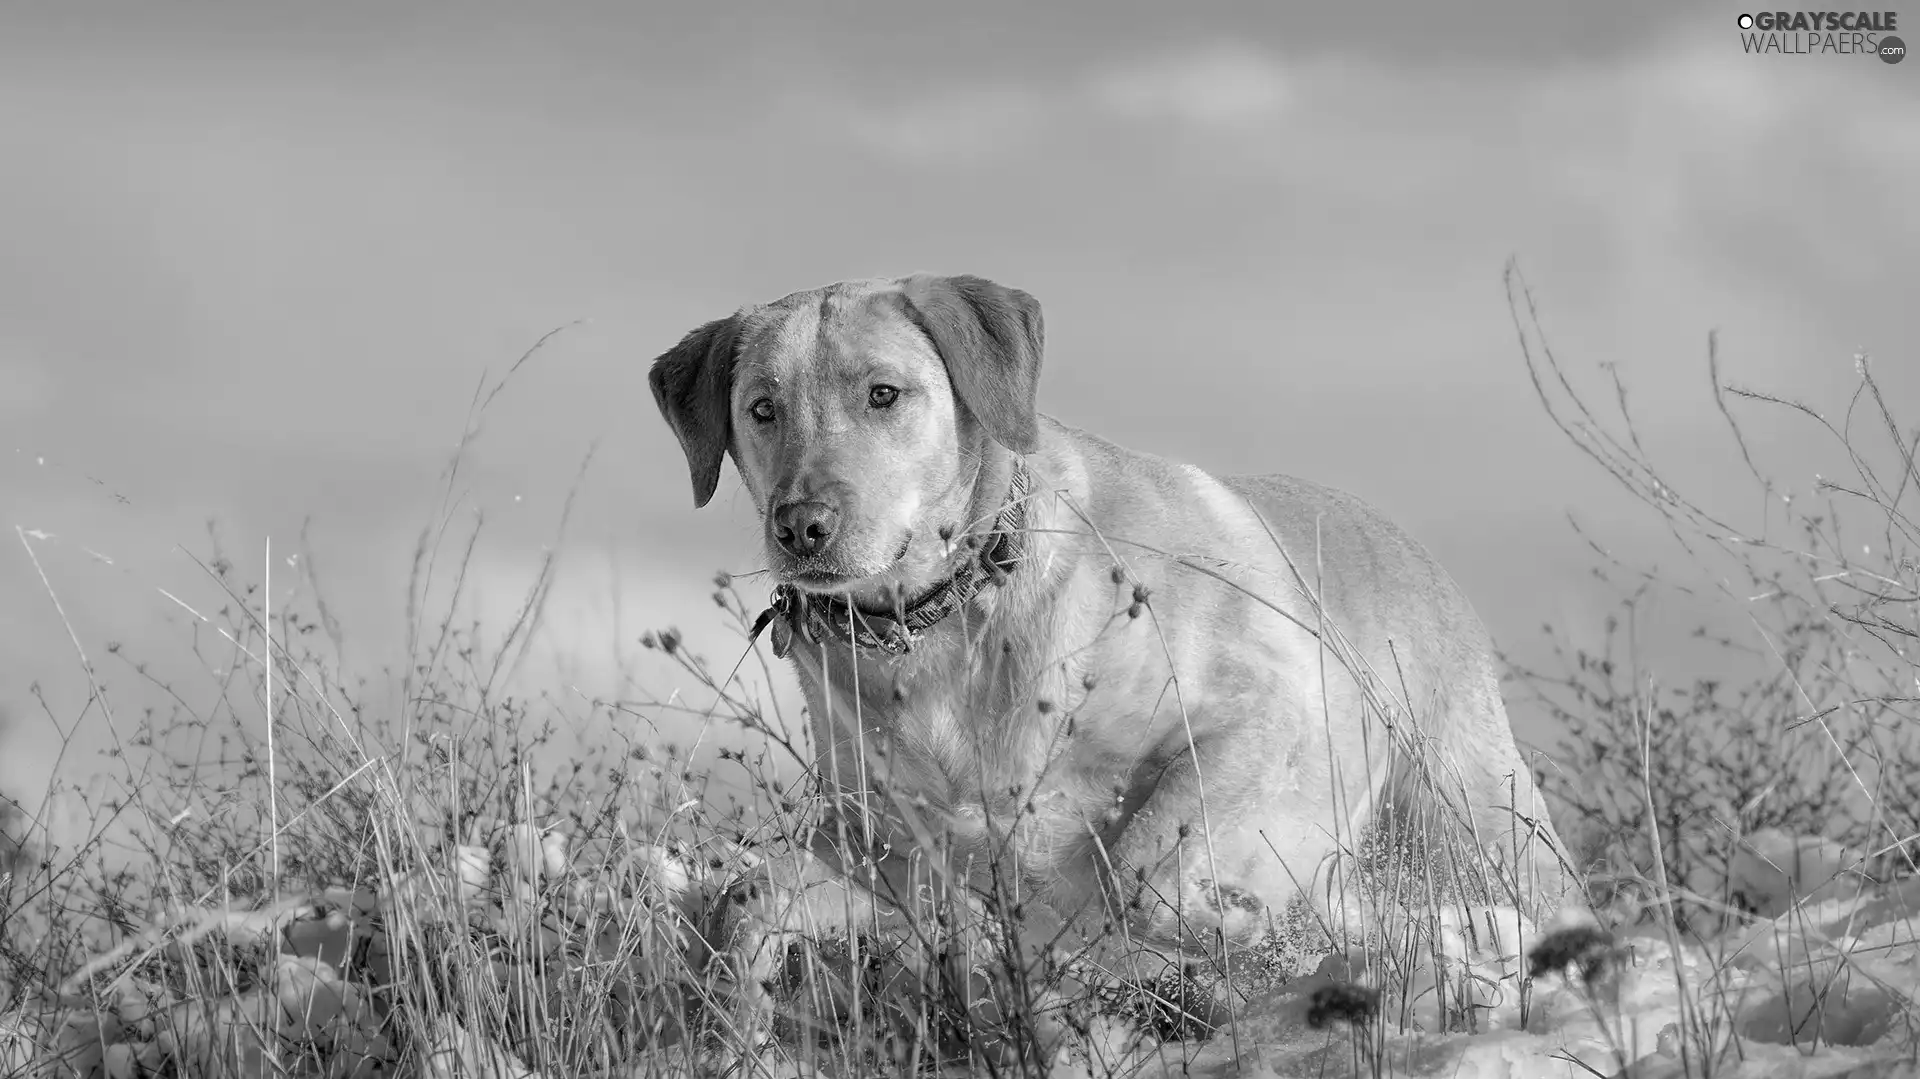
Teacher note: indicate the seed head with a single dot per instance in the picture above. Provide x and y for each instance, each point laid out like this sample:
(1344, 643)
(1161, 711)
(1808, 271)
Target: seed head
(1342, 1003)
(1587, 950)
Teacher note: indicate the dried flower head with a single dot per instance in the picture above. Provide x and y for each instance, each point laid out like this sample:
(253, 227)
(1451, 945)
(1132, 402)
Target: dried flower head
(1342, 1003)
(1587, 950)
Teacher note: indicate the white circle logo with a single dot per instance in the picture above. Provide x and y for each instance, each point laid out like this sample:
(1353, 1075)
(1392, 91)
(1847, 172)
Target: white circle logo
(1746, 22)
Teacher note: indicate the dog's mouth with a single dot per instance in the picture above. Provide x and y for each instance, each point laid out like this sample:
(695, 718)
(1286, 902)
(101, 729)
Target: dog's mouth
(821, 580)
(828, 579)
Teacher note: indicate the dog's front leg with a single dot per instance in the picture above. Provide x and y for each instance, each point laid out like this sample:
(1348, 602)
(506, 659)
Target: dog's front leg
(917, 915)
(1198, 870)
(838, 891)
(815, 890)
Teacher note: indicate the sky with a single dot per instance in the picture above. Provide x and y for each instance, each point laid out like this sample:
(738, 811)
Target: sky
(257, 259)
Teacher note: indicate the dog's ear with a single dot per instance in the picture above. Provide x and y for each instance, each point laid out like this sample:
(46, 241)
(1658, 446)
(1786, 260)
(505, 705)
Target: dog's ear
(692, 383)
(990, 337)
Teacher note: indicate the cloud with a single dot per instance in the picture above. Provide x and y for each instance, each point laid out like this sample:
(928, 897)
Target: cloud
(946, 128)
(1745, 168)
(1756, 165)
(1217, 88)
(25, 388)
(1228, 87)
(599, 602)
(1619, 128)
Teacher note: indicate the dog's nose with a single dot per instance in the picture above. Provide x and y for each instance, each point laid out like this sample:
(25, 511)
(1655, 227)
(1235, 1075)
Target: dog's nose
(805, 528)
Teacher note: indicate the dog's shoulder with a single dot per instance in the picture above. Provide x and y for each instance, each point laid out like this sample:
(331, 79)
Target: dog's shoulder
(1298, 506)
(1346, 537)
(1290, 505)
(1320, 528)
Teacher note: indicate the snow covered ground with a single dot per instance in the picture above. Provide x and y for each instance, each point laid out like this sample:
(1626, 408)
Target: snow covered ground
(1820, 987)
(1824, 988)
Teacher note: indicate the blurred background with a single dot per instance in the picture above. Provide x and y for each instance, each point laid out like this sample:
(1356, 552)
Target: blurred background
(259, 260)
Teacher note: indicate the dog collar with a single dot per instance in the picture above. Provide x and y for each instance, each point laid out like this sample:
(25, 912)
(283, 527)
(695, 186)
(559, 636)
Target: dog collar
(823, 618)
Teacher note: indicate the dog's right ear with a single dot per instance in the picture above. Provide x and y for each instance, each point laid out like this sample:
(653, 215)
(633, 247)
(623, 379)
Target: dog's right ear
(692, 383)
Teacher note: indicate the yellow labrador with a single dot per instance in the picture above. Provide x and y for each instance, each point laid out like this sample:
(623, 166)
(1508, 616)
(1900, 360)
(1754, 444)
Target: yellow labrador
(1163, 697)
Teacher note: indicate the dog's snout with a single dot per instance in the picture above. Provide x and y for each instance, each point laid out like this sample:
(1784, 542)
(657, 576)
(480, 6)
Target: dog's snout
(805, 528)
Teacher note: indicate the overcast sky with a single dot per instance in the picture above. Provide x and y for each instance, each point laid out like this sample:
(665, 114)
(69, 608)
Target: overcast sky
(257, 257)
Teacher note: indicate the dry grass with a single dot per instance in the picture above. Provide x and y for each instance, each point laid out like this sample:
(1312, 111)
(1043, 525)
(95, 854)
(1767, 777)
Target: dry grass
(437, 878)
(1692, 805)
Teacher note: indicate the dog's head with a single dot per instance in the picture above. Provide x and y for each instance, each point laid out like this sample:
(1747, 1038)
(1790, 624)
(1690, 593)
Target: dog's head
(858, 416)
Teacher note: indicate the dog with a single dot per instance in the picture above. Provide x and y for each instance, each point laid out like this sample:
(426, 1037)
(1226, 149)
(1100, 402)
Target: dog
(1159, 701)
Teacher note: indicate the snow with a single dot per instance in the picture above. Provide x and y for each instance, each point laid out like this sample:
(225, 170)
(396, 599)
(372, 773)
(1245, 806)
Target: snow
(1774, 869)
(1824, 987)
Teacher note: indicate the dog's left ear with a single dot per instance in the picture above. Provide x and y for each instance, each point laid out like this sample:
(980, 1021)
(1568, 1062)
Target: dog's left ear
(991, 338)
(692, 383)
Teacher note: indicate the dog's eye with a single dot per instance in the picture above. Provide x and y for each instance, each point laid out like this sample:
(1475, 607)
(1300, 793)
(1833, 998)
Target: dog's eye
(882, 396)
(762, 410)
